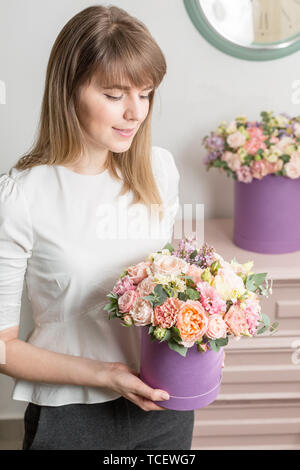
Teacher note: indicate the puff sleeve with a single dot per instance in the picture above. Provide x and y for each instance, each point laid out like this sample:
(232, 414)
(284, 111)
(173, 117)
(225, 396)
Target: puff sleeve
(16, 242)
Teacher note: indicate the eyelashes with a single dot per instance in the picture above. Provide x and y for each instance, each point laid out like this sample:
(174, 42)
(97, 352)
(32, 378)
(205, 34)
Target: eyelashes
(118, 98)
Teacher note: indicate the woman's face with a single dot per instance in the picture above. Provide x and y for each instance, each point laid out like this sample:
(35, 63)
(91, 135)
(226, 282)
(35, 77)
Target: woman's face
(103, 110)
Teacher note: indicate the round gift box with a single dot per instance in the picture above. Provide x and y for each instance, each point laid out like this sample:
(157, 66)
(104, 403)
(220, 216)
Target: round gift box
(192, 381)
(267, 215)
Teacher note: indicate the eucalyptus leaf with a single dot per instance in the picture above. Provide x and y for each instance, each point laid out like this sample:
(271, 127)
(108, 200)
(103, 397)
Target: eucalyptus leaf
(177, 347)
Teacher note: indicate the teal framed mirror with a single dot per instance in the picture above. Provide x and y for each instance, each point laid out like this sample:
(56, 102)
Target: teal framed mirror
(248, 29)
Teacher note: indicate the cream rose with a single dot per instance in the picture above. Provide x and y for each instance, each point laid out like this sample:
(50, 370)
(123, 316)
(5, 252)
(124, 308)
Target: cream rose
(141, 312)
(235, 140)
(229, 285)
(217, 328)
(164, 264)
(292, 170)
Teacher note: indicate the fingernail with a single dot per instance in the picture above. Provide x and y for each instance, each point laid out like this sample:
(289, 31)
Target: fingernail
(165, 396)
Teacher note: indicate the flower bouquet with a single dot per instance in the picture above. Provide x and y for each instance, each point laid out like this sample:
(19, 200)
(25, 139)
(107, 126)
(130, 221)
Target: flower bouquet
(189, 302)
(266, 156)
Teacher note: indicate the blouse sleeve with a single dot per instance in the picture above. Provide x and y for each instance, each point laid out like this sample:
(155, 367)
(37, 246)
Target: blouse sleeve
(16, 242)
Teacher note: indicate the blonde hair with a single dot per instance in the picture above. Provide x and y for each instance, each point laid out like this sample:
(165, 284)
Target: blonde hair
(108, 41)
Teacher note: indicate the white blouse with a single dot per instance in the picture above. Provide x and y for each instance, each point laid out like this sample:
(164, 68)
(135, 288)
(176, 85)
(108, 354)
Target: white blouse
(71, 236)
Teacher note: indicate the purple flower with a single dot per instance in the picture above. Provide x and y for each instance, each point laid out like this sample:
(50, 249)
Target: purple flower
(204, 256)
(215, 142)
(212, 156)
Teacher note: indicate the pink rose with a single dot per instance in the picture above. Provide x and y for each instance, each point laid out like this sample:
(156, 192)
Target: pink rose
(244, 174)
(274, 139)
(126, 300)
(259, 169)
(194, 272)
(236, 320)
(166, 264)
(141, 312)
(217, 328)
(124, 284)
(146, 286)
(139, 272)
(233, 160)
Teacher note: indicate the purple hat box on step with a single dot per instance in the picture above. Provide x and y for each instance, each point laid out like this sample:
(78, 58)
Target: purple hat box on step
(192, 381)
(267, 215)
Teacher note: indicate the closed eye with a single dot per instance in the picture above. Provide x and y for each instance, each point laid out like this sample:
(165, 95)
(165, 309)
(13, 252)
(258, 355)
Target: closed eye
(117, 98)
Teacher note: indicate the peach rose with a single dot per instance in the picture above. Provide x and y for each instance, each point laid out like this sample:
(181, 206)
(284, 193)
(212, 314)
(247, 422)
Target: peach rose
(146, 286)
(139, 272)
(141, 312)
(194, 272)
(166, 264)
(126, 300)
(217, 328)
(259, 169)
(236, 320)
(192, 320)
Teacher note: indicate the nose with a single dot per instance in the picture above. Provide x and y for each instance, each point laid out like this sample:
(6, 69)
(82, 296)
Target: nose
(134, 109)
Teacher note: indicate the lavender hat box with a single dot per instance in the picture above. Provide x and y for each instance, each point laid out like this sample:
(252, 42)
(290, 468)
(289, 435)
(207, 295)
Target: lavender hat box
(192, 381)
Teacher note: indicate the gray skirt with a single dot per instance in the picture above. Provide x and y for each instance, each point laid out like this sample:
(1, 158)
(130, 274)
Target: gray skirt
(117, 424)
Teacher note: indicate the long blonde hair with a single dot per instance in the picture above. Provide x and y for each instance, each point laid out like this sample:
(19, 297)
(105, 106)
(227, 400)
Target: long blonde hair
(108, 41)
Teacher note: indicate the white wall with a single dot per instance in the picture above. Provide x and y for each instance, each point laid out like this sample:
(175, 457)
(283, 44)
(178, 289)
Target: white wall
(203, 86)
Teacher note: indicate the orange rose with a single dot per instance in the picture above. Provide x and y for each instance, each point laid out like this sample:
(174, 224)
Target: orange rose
(192, 320)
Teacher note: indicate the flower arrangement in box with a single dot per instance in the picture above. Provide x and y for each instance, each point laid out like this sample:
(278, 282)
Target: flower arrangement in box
(191, 296)
(188, 303)
(247, 149)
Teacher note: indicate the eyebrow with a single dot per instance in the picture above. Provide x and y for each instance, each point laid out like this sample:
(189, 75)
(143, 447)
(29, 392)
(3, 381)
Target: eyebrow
(124, 88)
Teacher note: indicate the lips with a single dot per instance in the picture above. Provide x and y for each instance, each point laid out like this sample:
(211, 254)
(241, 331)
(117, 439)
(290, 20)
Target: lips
(124, 132)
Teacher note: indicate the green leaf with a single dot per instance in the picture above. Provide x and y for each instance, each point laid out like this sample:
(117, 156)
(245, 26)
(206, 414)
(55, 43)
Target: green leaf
(177, 347)
(253, 281)
(192, 294)
(214, 345)
(274, 326)
(262, 330)
(266, 319)
(222, 341)
(169, 247)
(194, 254)
(176, 334)
(168, 336)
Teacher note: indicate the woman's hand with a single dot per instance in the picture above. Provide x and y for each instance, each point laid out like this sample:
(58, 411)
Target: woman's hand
(124, 380)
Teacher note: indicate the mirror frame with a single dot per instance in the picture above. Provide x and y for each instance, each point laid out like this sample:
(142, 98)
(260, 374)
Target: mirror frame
(241, 52)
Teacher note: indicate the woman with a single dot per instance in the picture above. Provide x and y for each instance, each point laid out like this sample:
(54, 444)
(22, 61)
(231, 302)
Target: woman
(92, 159)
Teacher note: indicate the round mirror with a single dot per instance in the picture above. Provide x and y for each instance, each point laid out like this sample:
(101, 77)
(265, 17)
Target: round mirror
(249, 29)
